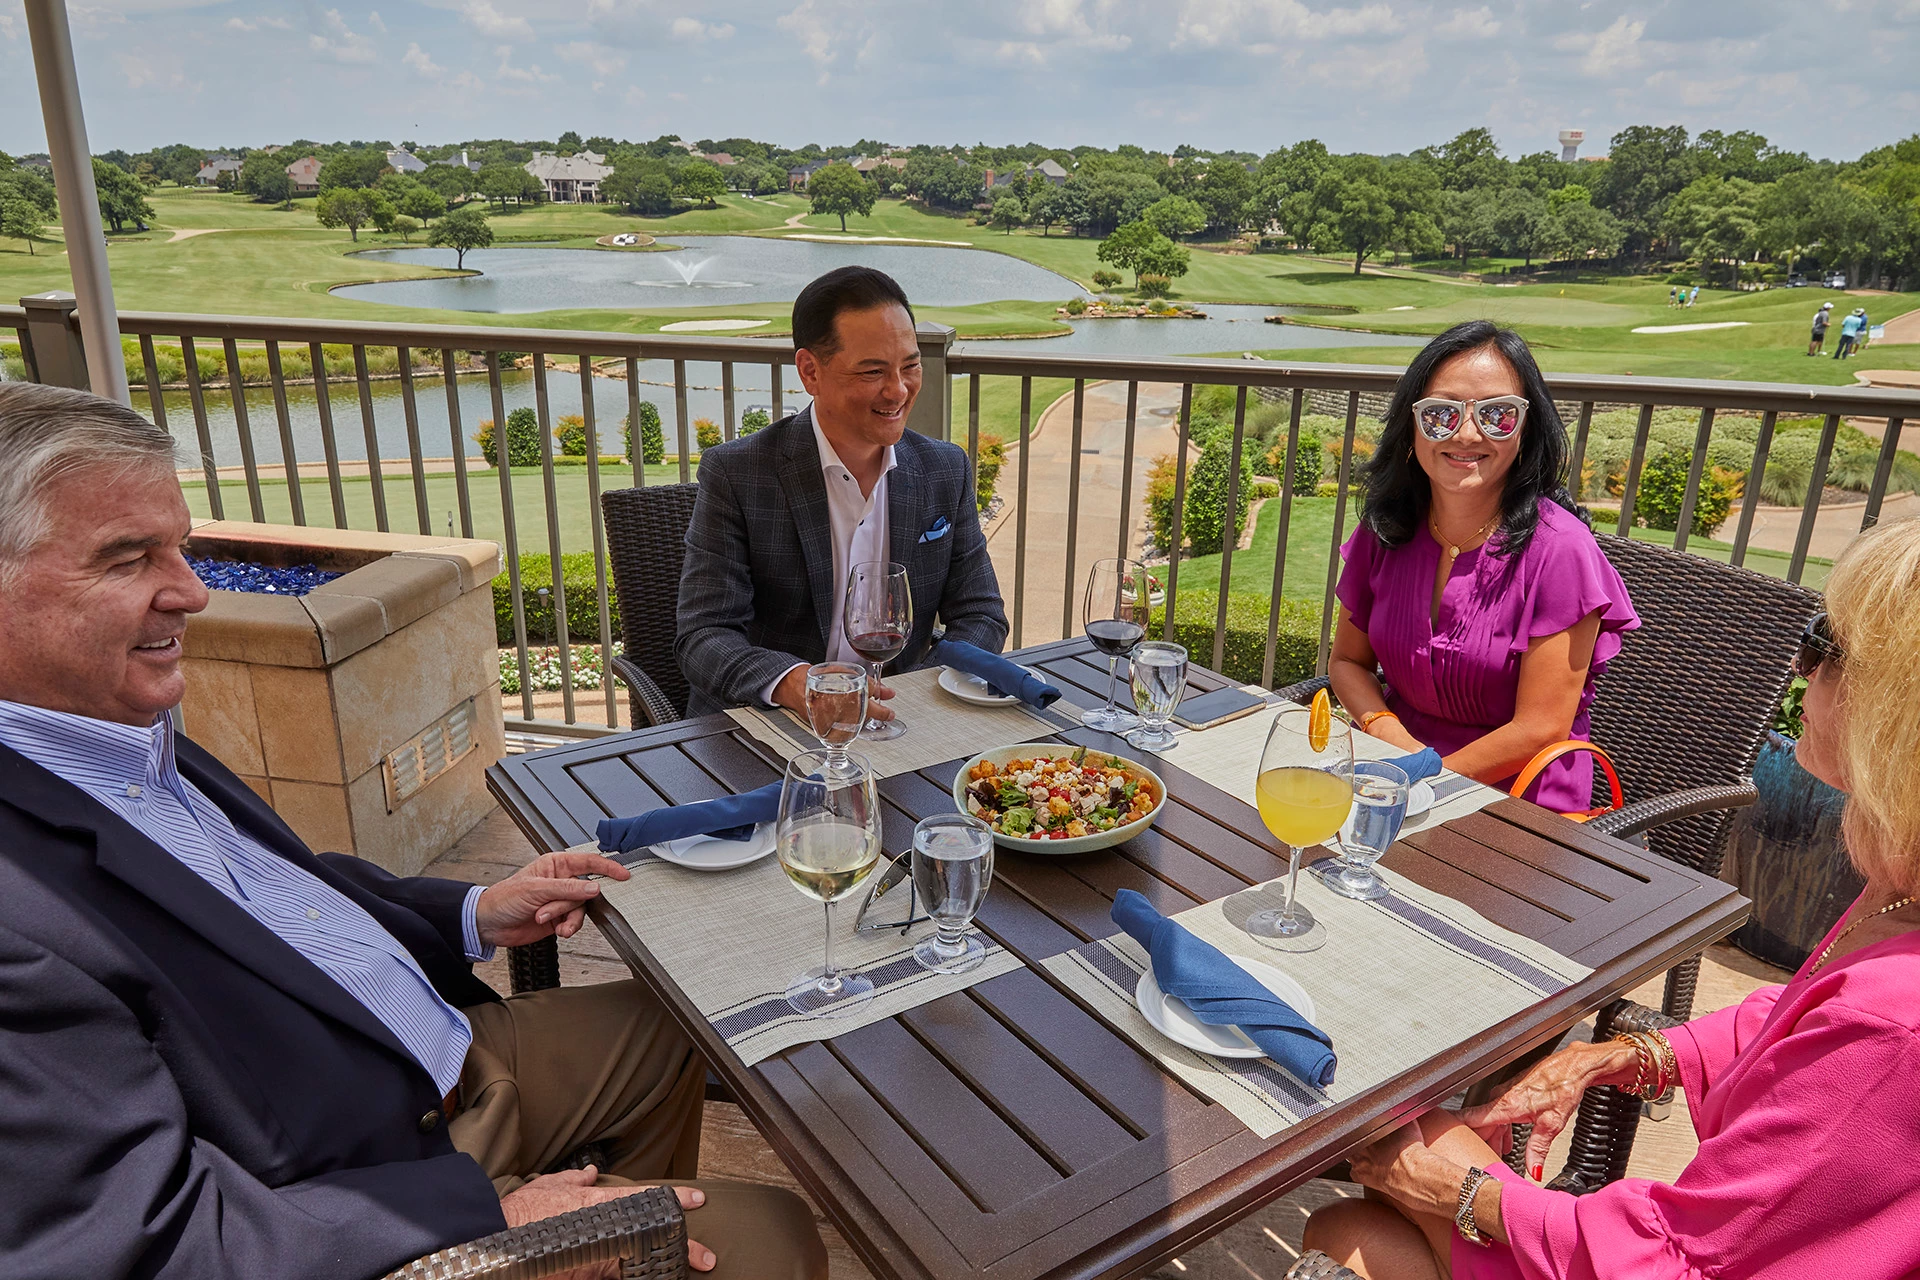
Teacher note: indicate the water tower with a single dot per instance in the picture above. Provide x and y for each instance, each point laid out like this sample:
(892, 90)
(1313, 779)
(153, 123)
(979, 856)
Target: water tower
(1570, 140)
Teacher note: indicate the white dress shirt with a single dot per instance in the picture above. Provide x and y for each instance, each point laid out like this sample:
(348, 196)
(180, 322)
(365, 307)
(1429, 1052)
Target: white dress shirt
(857, 524)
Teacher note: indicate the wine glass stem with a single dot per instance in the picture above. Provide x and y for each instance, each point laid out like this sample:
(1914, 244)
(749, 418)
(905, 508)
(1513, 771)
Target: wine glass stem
(829, 980)
(1113, 675)
(873, 679)
(1293, 881)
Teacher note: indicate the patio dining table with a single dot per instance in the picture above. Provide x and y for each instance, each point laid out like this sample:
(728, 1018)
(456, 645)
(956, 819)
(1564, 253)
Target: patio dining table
(1008, 1131)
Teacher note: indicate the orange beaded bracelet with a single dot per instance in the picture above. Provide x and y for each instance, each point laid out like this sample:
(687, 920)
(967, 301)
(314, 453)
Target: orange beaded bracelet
(1366, 721)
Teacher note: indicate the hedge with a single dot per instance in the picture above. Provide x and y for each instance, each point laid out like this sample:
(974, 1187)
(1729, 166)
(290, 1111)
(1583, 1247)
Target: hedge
(986, 472)
(1296, 647)
(523, 439)
(1663, 490)
(653, 440)
(583, 600)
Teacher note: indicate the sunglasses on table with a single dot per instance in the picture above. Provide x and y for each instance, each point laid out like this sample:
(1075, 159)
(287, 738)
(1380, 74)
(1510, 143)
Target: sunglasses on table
(1817, 645)
(1498, 418)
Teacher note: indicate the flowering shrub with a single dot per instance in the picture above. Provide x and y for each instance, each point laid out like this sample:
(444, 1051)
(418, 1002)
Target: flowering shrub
(545, 663)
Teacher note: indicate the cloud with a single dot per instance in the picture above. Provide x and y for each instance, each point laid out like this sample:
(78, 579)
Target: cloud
(1608, 52)
(340, 43)
(255, 24)
(8, 28)
(695, 30)
(818, 28)
(530, 74)
(489, 21)
(418, 59)
(1267, 24)
(162, 71)
(597, 58)
(1021, 53)
(373, 20)
(1469, 24)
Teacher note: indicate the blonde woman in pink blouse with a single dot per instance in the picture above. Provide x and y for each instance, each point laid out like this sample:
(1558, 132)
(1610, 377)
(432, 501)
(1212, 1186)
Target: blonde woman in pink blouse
(1806, 1097)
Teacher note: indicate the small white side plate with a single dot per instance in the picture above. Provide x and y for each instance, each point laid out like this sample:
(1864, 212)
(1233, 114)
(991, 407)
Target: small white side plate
(1176, 1022)
(1419, 800)
(704, 853)
(973, 689)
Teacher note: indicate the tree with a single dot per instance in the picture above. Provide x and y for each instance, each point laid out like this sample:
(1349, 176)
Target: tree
(569, 143)
(1164, 258)
(123, 197)
(405, 226)
(1714, 219)
(461, 230)
(380, 211)
(1644, 168)
(1114, 197)
(640, 182)
(1284, 185)
(1470, 162)
(1467, 219)
(20, 219)
(1008, 213)
(358, 169)
(1107, 281)
(1521, 222)
(1225, 191)
(450, 180)
(504, 182)
(1175, 216)
(346, 207)
(264, 177)
(423, 204)
(1138, 248)
(1579, 231)
(839, 190)
(702, 180)
(1043, 206)
(1364, 205)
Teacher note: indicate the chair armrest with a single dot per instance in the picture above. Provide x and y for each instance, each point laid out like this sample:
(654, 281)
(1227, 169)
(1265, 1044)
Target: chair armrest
(644, 695)
(1315, 1265)
(646, 1229)
(1628, 1016)
(1303, 692)
(1642, 814)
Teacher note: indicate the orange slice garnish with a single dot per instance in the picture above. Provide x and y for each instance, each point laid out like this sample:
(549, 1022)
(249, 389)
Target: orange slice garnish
(1319, 721)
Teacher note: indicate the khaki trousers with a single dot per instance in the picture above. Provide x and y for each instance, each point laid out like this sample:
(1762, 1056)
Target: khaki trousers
(550, 1070)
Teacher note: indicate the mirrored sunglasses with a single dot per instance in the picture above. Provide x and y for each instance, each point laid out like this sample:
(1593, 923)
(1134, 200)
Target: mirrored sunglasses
(1497, 418)
(1817, 645)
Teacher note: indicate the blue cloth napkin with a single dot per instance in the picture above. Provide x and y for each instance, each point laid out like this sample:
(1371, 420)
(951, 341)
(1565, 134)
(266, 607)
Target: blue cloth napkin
(1221, 993)
(728, 818)
(1423, 763)
(1002, 676)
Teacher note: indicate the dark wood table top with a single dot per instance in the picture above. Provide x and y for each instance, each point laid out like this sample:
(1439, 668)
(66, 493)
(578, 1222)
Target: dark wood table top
(1005, 1131)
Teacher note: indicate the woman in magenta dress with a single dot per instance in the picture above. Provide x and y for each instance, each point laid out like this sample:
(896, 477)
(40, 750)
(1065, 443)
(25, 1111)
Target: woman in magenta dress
(1805, 1097)
(1472, 582)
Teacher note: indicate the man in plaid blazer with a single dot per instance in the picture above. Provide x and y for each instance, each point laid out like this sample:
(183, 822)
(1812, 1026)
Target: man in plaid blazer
(783, 513)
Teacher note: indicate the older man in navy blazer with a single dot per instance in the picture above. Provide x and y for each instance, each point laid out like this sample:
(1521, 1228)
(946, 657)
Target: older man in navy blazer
(784, 513)
(220, 1053)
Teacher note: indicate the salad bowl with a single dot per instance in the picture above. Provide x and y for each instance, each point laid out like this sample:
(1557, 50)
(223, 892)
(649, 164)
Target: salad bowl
(967, 798)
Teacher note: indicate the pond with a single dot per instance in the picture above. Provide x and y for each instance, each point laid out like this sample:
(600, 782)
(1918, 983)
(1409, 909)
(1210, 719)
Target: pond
(1229, 329)
(706, 271)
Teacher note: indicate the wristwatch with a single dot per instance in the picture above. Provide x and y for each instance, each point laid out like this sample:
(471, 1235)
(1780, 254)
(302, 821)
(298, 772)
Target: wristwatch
(1463, 1216)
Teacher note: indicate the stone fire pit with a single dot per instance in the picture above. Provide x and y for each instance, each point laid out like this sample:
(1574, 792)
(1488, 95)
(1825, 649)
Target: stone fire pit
(365, 711)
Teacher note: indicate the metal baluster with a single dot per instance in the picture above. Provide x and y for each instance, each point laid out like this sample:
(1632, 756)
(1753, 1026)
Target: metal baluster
(1762, 444)
(1882, 471)
(1179, 505)
(376, 474)
(1280, 543)
(505, 467)
(726, 400)
(1339, 530)
(449, 369)
(549, 487)
(587, 413)
(1126, 470)
(680, 419)
(154, 396)
(973, 420)
(323, 402)
(414, 453)
(1635, 461)
(1576, 481)
(197, 395)
(1073, 504)
(1816, 488)
(1229, 530)
(1020, 518)
(1701, 436)
(635, 443)
(237, 390)
(779, 401)
(288, 460)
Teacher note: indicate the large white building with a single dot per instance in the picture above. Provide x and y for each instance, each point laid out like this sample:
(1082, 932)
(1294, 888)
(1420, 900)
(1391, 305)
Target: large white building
(571, 179)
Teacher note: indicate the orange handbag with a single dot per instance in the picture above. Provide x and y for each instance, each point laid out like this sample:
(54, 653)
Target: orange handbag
(1549, 754)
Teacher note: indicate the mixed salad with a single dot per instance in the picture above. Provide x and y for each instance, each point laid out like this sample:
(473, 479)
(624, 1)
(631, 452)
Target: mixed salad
(1057, 799)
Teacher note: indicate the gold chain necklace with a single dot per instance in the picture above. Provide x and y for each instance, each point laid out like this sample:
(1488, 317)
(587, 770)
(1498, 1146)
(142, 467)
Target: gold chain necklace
(1828, 949)
(1453, 551)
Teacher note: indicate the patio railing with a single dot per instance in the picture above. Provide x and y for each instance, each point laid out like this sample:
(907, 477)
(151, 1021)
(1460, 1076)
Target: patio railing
(315, 441)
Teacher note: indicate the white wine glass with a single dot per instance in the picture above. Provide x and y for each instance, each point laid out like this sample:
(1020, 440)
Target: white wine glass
(836, 708)
(1305, 788)
(828, 844)
(877, 616)
(1115, 615)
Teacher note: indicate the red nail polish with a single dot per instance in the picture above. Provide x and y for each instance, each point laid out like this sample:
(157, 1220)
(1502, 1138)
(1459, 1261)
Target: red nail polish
(1537, 1172)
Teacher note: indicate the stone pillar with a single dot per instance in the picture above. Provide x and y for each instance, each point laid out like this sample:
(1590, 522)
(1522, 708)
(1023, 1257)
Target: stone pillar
(53, 352)
(932, 413)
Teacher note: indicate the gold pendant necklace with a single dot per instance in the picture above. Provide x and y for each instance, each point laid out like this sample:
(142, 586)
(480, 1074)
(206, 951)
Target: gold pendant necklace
(1827, 950)
(1453, 551)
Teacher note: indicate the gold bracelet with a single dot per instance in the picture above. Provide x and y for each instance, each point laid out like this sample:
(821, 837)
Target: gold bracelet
(1655, 1067)
(1643, 1064)
(1366, 721)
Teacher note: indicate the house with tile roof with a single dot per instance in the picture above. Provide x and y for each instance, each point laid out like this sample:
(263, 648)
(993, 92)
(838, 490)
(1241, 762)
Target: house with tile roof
(572, 179)
(304, 174)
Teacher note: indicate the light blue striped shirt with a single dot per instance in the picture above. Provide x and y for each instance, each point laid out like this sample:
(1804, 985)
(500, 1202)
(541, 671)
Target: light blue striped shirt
(131, 770)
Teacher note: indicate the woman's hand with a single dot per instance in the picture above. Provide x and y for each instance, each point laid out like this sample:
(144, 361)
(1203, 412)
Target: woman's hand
(1402, 1166)
(1548, 1095)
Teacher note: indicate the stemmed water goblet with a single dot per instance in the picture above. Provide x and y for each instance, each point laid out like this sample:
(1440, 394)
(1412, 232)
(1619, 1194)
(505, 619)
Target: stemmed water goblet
(1305, 788)
(828, 843)
(952, 868)
(836, 708)
(1115, 615)
(877, 616)
(1159, 678)
(1380, 793)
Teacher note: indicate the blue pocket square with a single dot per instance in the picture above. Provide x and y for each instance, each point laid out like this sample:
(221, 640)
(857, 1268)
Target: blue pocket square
(939, 530)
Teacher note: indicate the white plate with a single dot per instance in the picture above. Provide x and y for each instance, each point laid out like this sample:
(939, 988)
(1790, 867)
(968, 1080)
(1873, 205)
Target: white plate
(1176, 1022)
(1419, 800)
(705, 853)
(973, 689)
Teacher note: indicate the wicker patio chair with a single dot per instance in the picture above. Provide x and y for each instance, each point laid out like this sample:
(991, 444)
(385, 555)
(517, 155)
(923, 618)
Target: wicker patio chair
(646, 1231)
(647, 543)
(1315, 1265)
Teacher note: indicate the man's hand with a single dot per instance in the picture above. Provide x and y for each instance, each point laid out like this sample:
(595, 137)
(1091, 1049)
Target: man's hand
(553, 1194)
(542, 898)
(791, 693)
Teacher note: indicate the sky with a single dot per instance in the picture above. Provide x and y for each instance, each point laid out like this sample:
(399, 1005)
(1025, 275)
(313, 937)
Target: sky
(1829, 77)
